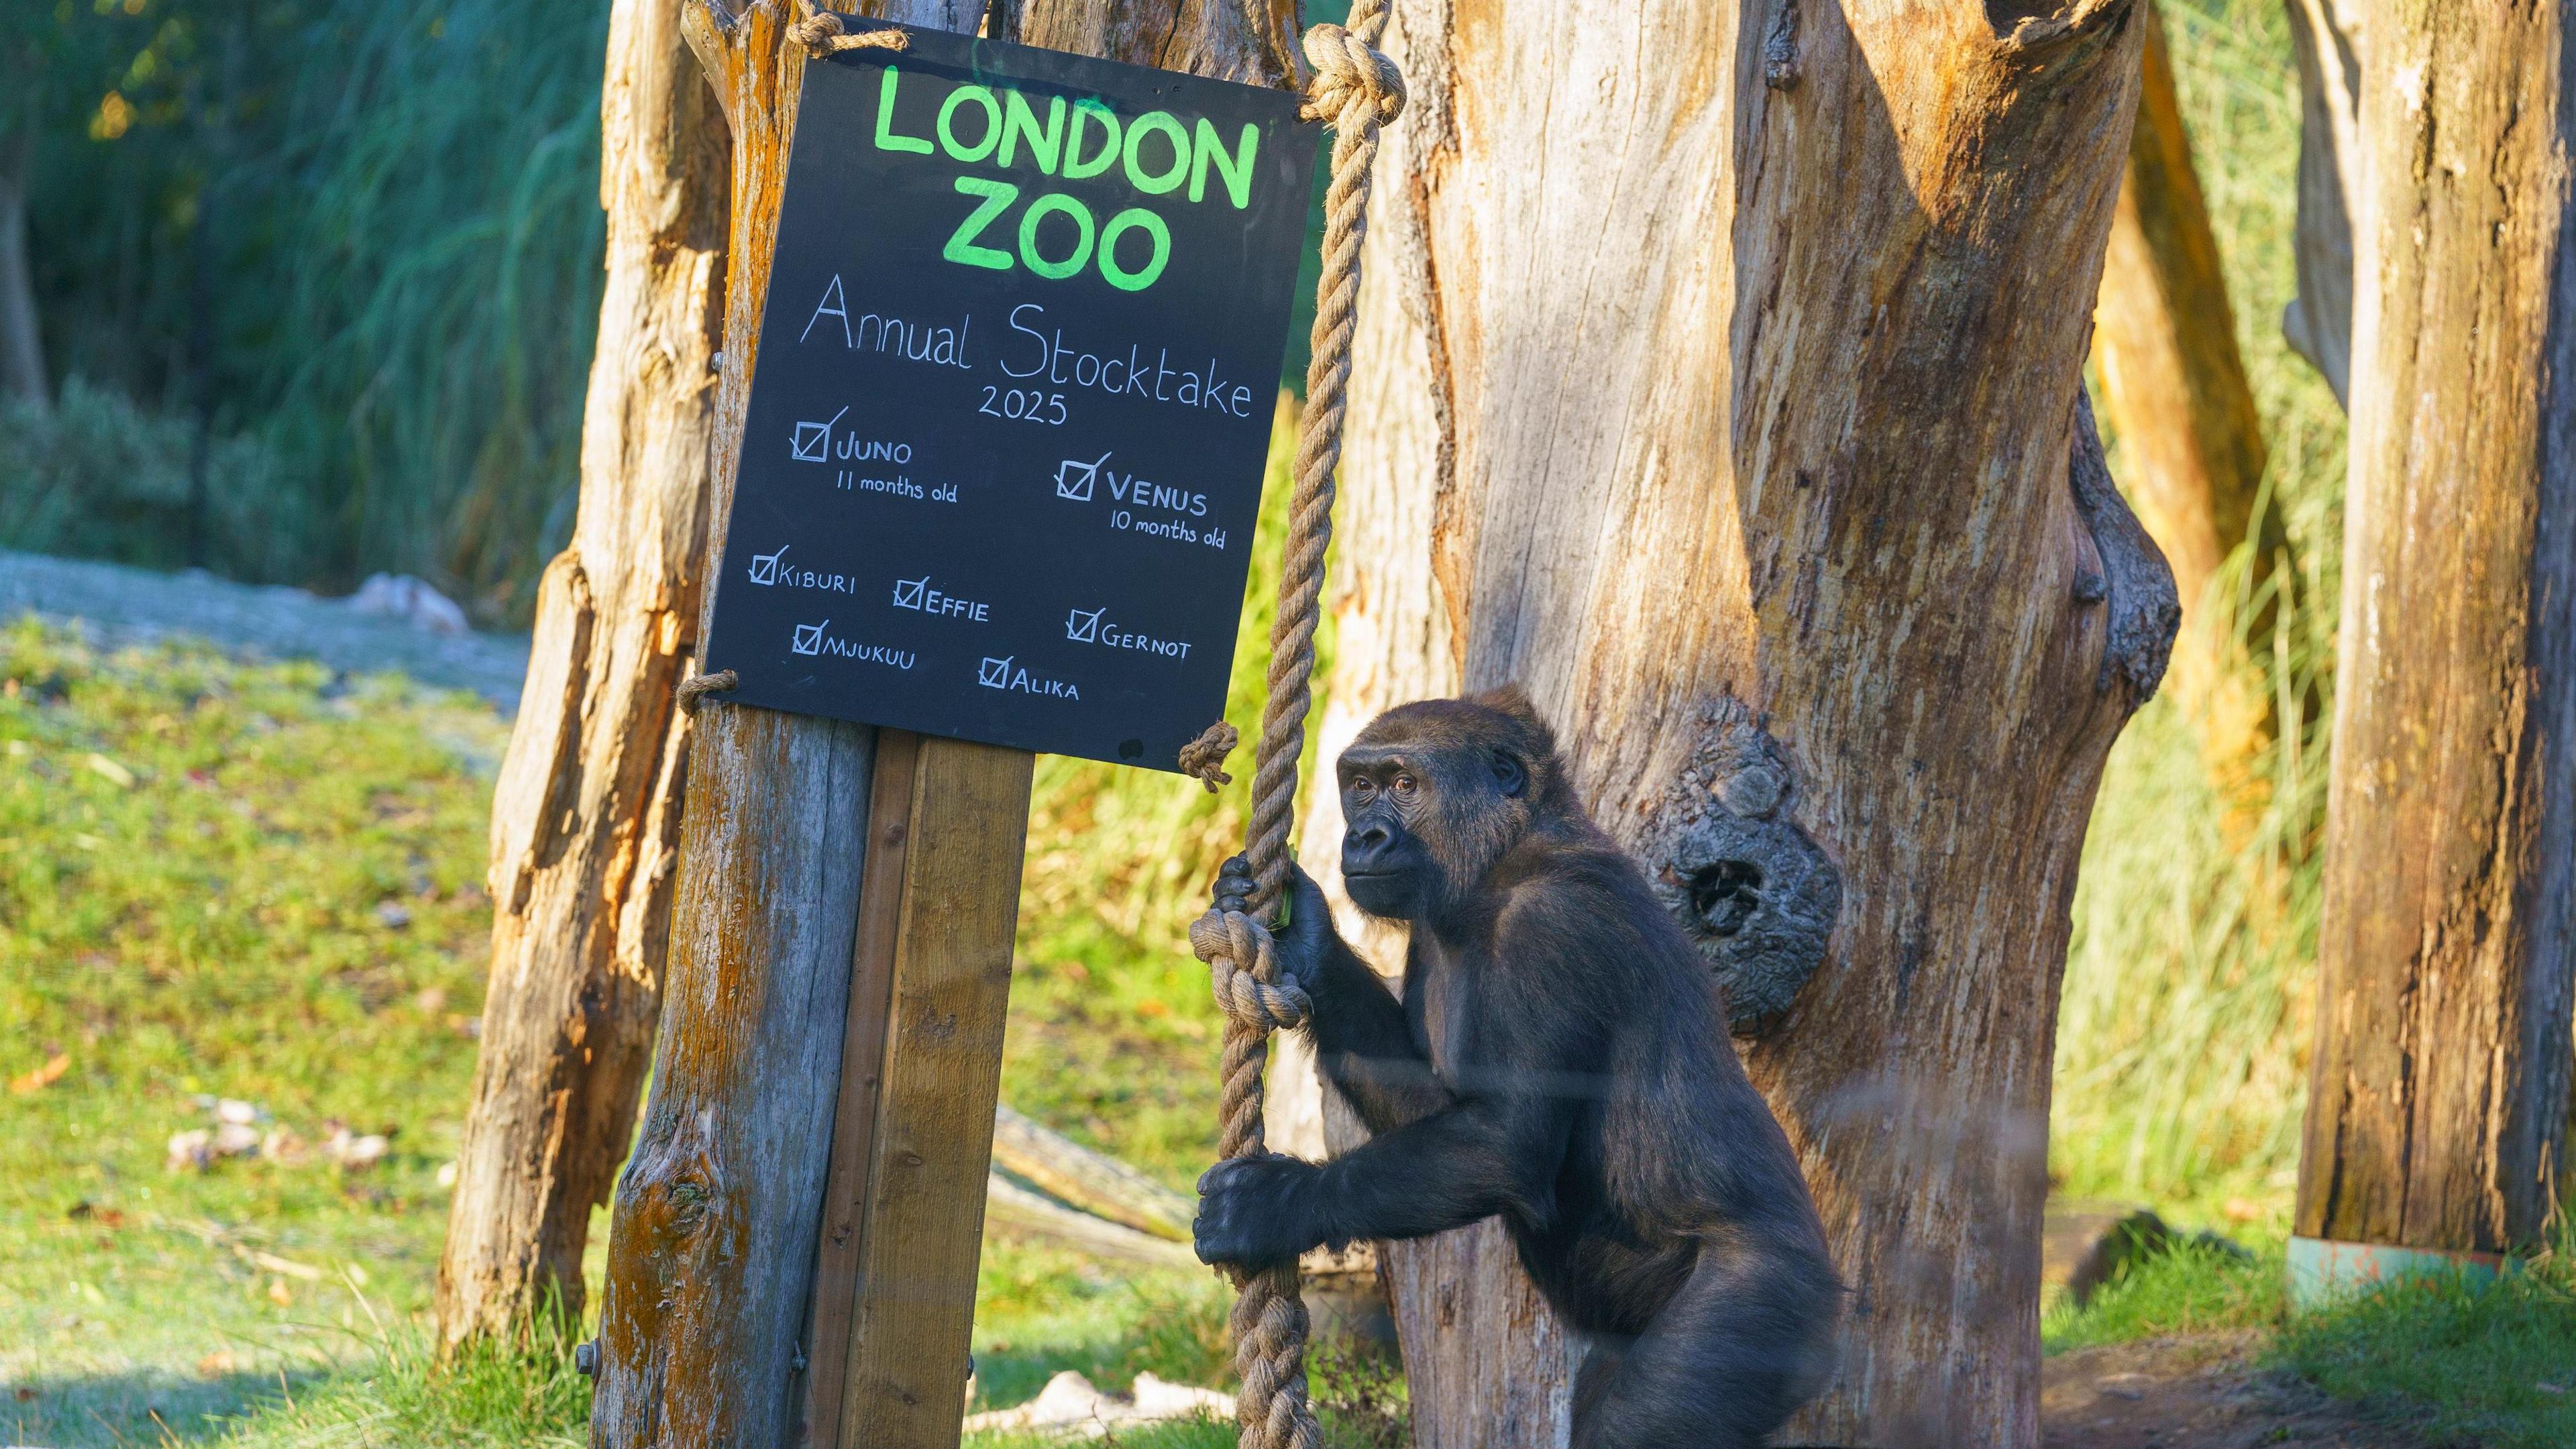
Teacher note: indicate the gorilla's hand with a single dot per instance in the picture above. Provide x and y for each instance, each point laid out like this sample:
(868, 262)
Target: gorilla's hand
(1301, 943)
(1255, 1211)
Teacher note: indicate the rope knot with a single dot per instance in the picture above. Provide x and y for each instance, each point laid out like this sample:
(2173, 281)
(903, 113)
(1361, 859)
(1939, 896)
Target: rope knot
(699, 686)
(1350, 73)
(1204, 757)
(822, 33)
(1243, 967)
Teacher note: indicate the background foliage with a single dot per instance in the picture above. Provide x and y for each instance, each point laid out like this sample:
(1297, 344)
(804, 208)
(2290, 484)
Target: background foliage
(356, 244)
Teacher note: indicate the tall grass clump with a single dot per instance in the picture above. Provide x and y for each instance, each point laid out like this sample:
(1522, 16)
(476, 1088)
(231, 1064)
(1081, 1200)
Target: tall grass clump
(2183, 1036)
(364, 237)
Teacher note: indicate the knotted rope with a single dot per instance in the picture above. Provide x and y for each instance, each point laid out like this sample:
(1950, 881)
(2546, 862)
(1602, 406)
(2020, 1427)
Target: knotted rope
(821, 33)
(698, 686)
(1355, 90)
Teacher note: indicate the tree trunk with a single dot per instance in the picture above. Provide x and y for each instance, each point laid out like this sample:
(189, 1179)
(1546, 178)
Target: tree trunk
(1725, 399)
(712, 1264)
(2327, 34)
(2447, 956)
(2174, 385)
(586, 815)
(22, 338)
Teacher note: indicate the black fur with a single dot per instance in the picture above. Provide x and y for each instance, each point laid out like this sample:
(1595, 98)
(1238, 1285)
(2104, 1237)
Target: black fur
(1559, 1058)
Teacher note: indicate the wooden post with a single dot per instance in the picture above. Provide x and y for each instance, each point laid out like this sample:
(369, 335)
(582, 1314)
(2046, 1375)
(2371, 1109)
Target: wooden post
(793, 1256)
(586, 816)
(2174, 386)
(1732, 389)
(2447, 956)
(895, 1294)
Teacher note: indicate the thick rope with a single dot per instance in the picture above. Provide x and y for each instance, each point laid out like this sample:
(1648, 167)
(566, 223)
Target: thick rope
(1355, 90)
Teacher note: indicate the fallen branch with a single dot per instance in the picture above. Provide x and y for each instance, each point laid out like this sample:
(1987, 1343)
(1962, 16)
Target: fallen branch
(1093, 1181)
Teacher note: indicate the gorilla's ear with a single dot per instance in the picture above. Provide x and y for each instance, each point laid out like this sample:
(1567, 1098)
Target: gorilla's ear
(1511, 775)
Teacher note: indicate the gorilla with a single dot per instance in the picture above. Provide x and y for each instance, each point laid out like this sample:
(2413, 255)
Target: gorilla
(1559, 1058)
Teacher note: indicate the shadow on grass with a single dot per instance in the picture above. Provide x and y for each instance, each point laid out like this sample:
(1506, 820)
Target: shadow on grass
(143, 1407)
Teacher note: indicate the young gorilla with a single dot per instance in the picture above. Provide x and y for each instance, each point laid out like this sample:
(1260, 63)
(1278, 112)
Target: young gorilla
(1559, 1058)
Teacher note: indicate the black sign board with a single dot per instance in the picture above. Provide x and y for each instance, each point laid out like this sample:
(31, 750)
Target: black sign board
(1005, 446)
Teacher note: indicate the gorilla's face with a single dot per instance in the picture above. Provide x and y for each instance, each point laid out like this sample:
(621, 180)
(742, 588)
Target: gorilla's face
(1422, 819)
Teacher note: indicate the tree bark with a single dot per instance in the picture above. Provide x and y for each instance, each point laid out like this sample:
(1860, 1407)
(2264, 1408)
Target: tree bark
(2447, 955)
(22, 338)
(712, 1261)
(2327, 34)
(586, 815)
(1721, 378)
(2174, 385)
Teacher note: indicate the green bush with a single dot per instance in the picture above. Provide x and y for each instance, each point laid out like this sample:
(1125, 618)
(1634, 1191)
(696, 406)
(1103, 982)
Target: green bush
(98, 476)
(365, 236)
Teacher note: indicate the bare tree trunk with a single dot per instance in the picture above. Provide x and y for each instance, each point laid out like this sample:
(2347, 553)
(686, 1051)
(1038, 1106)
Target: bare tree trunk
(2174, 385)
(712, 1265)
(22, 338)
(2318, 322)
(586, 816)
(2447, 957)
(1725, 398)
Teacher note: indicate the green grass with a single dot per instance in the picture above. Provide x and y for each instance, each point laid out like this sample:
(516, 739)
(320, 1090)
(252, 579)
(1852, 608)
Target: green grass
(199, 861)
(2491, 1364)
(207, 913)
(2189, 1287)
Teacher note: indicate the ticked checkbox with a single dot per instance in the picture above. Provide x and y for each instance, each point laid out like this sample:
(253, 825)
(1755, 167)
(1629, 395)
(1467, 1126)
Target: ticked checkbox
(1082, 626)
(994, 673)
(1074, 477)
(907, 592)
(764, 566)
(809, 638)
(813, 443)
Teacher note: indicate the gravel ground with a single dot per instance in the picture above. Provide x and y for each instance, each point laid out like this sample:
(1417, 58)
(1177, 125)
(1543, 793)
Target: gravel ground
(120, 603)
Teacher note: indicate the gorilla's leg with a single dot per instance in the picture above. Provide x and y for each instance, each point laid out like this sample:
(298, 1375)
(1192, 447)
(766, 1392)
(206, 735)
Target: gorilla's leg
(1736, 1351)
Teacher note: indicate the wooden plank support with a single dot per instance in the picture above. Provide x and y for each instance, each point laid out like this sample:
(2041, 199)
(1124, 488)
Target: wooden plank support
(895, 1283)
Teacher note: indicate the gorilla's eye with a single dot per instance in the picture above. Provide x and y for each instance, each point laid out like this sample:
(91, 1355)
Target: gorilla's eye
(1404, 784)
(1362, 788)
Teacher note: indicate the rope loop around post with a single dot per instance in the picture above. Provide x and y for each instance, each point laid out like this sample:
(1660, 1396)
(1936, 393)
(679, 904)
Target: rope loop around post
(821, 32)
(1356, 90)
(698, 686)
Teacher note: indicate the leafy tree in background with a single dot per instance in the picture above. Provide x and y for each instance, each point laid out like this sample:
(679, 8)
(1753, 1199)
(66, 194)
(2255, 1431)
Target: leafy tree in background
(362, 241)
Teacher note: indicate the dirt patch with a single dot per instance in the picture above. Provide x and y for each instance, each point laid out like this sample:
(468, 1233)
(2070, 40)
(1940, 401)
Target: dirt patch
(2194, 1393)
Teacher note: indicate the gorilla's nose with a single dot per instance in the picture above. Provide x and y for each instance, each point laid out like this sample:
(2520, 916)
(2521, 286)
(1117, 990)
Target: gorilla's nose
(1364, 847)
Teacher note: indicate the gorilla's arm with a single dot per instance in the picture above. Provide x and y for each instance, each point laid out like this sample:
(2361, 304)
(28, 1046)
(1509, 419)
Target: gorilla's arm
(1495, 1147)
(1362, 1042)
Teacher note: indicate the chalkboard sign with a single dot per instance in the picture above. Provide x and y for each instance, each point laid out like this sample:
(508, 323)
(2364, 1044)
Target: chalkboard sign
(1004, 452)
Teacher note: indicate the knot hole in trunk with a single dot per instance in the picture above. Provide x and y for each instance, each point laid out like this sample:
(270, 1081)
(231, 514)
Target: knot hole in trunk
(1753, 892)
